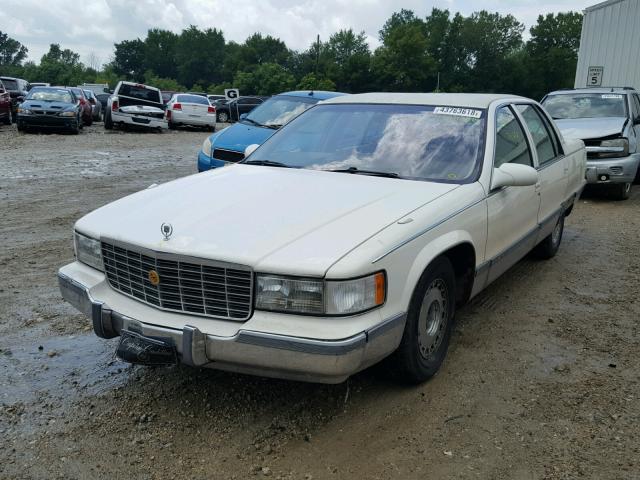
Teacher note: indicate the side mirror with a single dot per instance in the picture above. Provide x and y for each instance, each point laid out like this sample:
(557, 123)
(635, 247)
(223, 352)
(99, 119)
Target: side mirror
(514, 175)
(243, 116)
(250, 149)
(20, 98)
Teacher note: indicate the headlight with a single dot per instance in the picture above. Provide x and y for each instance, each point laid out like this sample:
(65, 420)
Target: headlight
(617, 147)
(67, 114)
(320, 297)
(24, 111)
(206, 147)
(88, 251)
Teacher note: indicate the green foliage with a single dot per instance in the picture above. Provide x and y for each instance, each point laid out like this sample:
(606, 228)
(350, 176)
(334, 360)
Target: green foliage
(12, 52)
(309, 82)
(553, 52)
(266, 79)
(169, 84)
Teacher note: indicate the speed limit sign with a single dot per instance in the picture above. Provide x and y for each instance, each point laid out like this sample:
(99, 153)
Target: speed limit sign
(594, 77)
(231, 93)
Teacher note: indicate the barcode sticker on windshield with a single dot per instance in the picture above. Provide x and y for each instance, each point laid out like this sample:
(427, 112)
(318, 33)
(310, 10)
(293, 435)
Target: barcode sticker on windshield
(457, 111)
(611, 95)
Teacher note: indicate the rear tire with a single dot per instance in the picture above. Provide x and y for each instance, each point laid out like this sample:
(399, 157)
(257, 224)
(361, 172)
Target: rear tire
(9, 119)
(211, 128)
(430, 320)
(89, 122)
(108, 123)
(548, 247)
(223, 117)
(172, 126)
(622, 191)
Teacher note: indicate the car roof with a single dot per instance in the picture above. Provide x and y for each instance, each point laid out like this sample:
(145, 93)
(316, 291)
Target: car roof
(620, 90)
(473, 100)
(319, 94)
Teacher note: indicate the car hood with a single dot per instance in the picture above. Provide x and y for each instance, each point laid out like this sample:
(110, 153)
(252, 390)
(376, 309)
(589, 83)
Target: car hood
(28, 104)
(586, 128)
(278, 220)
(140, 109)
(239, 136)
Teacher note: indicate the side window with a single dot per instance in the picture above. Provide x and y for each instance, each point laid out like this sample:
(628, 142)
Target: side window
(552, 132)
(541, 138)
(636, 105)
(511, 142)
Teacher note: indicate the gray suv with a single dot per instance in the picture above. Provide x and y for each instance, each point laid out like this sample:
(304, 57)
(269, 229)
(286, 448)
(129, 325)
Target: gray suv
(608, 121)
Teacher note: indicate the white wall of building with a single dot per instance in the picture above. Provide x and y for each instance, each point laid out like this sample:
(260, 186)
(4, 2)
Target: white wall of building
(610, 39)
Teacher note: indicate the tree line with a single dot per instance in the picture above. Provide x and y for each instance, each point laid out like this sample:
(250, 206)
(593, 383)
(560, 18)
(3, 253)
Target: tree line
(482, 52)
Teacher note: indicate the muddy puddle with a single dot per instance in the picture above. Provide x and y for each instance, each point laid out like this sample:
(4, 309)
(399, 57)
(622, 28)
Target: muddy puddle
(58, 368)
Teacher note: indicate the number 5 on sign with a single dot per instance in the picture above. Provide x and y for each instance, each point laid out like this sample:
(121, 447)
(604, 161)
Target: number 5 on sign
(594, 78)
(231, 93)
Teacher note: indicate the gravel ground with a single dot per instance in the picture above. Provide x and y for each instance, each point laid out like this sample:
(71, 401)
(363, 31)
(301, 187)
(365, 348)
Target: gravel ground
(542, 380)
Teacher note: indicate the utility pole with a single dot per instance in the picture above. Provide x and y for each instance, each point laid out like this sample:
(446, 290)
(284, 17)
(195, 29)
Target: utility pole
(315, 86)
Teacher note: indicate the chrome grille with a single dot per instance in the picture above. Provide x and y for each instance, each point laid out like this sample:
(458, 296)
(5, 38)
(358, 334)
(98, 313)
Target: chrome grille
(187, 284)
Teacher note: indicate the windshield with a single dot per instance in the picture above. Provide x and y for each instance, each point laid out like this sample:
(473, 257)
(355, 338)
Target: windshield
(585, 105)
(50, 95)
(278, 110)
(10, 84)
(442, 144)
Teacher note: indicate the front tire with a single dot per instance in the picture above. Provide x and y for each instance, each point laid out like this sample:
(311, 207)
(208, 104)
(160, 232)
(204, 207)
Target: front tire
(622, 191)
(9, 119)
(108, 123)
(223, 117)
(427, 332)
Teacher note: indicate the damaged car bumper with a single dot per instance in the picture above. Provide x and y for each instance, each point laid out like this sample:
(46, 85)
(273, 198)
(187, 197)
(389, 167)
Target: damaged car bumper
(612, 170)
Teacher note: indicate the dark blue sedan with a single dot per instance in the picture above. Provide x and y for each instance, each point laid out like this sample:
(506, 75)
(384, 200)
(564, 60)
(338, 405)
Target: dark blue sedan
(49, 107)
(257, 126)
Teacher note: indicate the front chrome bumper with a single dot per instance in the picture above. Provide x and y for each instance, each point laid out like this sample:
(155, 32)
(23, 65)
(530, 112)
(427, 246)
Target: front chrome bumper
(257, 353)
(612, 170)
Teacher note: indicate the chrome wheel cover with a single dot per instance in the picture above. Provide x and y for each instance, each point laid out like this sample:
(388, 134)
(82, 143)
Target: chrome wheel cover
(433, 318)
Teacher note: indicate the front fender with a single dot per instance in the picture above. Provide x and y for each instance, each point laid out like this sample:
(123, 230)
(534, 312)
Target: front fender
(429, 252)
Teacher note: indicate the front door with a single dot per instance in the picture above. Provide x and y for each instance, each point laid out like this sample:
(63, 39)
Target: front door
(513, 211)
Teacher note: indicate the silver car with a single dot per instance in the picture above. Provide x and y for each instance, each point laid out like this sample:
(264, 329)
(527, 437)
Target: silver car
(608, 121)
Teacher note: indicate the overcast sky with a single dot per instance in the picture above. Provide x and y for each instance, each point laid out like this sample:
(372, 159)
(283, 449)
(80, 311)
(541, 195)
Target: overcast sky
(93, 26)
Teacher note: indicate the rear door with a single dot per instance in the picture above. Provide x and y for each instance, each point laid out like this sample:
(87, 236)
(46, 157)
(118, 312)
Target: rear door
(513, 211)
(552, 165)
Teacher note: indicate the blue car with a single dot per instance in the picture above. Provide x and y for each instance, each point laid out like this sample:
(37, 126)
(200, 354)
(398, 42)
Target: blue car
(255, 127)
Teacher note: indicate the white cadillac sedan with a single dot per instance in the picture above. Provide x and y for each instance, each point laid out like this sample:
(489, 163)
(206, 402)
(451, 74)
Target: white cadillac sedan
(351, 235)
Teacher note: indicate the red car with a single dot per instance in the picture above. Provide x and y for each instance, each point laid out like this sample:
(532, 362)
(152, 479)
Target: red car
(5, 105)
(87, 110)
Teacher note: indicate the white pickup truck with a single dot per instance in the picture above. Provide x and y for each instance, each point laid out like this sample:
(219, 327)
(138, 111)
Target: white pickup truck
(134, 104)
(351, 235)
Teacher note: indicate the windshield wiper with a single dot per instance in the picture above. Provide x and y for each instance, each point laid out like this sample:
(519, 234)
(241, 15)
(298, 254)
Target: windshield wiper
(267, 163)
(365, 172)
(274, 126)
(258, 124)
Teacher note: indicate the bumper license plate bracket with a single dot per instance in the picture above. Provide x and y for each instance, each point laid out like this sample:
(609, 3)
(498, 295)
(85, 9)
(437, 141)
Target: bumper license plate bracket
(136, 348)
